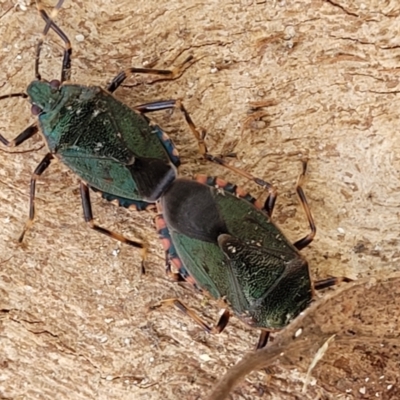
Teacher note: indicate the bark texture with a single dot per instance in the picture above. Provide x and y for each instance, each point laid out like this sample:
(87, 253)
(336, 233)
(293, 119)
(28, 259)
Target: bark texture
(274, 82)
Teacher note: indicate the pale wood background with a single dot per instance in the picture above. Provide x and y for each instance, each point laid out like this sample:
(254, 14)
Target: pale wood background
(326, 77)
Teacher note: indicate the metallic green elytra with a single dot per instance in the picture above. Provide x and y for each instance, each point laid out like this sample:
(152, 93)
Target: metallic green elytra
(223, 241)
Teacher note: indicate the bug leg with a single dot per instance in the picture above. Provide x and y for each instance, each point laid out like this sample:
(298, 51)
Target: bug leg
(199, 134)
(26, 134)
(220, 326)
(306, 240)
(88, 215)
(332, 281)
(272, 195)
(66, 64)
(43, 165)
(20, 94)
(272, 192)
(164, 73)
(270, 201)
(262, 340)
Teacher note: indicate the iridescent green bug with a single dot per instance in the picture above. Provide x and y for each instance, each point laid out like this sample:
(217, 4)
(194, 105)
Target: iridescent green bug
(114, 149)
(224, 242)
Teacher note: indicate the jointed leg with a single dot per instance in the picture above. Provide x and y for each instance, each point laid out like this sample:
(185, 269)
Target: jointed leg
(221, 324)
(272, 195)
(270, 202)
(306, 240)
(166, 104)
(24, 135)
(66, 64)
(165, 73)
(170, 104)
(88, 215)
(262, 340)
(328, 282)
(43, 165)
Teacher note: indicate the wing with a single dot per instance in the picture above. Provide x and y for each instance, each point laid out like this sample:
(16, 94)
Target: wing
(204, 261)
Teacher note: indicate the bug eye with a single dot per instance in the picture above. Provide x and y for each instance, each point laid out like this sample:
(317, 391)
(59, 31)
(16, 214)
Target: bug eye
(55, 84)
(35, 110)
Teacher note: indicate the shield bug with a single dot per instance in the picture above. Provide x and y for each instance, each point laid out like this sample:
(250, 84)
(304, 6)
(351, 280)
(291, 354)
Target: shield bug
(114, 149)
(223, 241)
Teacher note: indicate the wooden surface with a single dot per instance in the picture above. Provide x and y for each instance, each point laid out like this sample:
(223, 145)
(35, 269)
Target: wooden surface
(274, 82)
(347, 342)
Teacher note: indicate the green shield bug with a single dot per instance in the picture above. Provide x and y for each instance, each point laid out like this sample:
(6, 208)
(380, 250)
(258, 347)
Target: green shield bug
(223, 241)
(114, 149)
